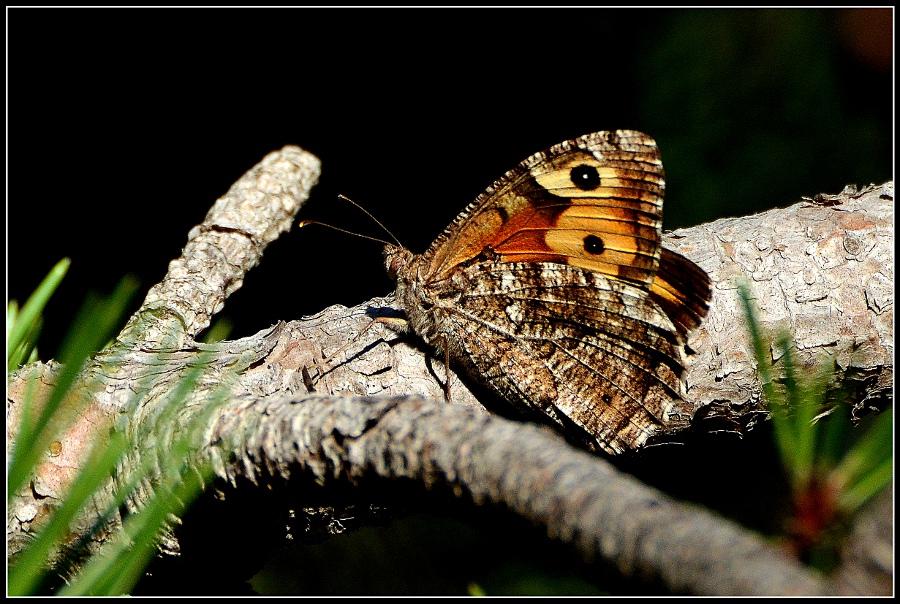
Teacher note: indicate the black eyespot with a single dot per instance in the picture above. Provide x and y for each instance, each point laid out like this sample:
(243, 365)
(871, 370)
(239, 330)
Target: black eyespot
(606, 398)
(585, 177)
(593, 245)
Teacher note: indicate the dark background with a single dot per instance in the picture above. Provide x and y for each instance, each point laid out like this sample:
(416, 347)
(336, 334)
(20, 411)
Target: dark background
(126, 125)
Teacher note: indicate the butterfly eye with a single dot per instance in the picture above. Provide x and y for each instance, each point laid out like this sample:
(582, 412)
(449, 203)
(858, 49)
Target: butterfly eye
(593, 245)
(585, 178)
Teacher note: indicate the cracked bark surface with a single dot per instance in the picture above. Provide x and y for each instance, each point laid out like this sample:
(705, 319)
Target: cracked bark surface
(822, 268)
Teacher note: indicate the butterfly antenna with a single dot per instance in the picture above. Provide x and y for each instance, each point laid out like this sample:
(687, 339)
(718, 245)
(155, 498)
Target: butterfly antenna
(304, 223)
(345, 198)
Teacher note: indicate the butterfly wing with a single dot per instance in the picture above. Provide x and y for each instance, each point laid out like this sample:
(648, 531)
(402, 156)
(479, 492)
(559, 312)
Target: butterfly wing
(594, 202)
(683, 291)
(589, 352)
(553, 289)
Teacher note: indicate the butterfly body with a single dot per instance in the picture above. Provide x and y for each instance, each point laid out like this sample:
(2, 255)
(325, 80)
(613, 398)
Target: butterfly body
(552, 289)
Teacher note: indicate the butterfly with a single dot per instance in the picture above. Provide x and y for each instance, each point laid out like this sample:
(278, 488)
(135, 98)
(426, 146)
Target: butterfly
(553, 290)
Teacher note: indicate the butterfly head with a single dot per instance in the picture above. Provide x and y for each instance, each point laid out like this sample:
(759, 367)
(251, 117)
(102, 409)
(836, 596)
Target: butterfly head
(396, 259)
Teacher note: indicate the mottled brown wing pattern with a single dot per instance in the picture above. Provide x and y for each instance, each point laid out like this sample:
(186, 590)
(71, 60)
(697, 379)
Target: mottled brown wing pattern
(552, 289)
(583, 349)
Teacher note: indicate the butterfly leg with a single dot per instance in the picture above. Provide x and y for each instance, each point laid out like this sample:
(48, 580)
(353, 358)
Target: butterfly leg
(446, 347)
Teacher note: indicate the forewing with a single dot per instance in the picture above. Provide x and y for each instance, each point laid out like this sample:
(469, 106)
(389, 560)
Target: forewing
(594, 202)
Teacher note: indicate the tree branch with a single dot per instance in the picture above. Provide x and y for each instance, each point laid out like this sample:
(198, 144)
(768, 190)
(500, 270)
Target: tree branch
(822, 269)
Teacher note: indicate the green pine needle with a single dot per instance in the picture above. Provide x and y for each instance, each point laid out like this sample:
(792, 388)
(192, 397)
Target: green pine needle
(813, 436)
(22, 325)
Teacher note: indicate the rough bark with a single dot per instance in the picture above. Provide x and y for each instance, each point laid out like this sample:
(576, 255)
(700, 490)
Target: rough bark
(823, 269)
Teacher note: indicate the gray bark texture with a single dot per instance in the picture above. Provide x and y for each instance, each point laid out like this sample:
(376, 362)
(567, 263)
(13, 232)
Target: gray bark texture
(821, 269)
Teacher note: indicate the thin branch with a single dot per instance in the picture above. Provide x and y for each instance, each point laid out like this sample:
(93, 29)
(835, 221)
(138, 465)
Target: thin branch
(229, 242)
(580, 498)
